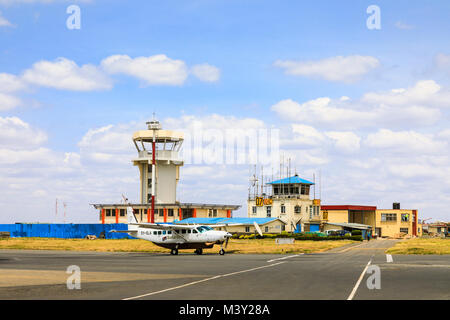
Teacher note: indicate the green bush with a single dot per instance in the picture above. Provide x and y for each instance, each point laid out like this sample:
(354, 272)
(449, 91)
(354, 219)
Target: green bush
(356, 233)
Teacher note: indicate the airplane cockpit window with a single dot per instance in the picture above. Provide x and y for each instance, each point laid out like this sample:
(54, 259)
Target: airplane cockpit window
(203, 229)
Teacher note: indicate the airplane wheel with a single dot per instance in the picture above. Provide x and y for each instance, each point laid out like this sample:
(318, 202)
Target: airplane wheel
(222, 252)
(174, 252)
(198, 251)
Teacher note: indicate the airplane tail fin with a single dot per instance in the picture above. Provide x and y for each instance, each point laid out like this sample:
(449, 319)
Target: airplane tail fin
(131, 218)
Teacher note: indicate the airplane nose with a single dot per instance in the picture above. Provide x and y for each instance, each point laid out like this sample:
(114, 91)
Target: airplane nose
(228, 235)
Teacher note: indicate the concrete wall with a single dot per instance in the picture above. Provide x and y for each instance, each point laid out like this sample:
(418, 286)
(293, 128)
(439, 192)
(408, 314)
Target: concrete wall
(335, 216)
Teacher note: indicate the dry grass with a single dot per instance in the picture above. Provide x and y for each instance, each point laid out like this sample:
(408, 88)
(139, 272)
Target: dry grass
(126, 245)
(421, 246)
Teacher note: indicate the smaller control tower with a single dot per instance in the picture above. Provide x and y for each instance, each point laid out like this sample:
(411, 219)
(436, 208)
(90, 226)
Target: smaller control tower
(159, 163)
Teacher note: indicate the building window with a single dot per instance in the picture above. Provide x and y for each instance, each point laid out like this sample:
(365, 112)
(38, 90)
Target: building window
(269, 211)
(283, 209)
(122, 212)
(247, 229)
(298, 209)
(404, 230)
(170, 212)
(108, 212)
(388, 217)
(310, 212)
(266, 229)
(405, 217)
(254, 209)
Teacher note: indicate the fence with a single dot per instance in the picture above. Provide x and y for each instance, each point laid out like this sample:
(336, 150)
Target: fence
(68, 231)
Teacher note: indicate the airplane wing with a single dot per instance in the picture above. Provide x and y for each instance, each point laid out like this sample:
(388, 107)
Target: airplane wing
(224, 225)
(125, 231)
(163, 226)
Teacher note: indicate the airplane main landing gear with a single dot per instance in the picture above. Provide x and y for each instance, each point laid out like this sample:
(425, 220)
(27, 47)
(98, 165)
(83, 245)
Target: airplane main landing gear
(174, 252)
(198, 251)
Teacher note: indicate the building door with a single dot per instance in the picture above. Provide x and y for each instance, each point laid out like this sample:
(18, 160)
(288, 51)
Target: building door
(378, 231)
(314, 227)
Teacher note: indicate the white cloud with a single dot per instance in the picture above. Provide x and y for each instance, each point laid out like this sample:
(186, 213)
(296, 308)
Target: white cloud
(345, 141)
(17, 134)
(111, 143)
(8, 102)
(153, 70)
(10, 83)
(340, 69)
(206, 72)
(4, 22)
(405, 141)
(418, 105)
(403, 26)
(65, 74)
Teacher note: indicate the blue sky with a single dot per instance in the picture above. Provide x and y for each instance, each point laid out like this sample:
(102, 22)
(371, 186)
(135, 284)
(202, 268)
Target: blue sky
(243, 41)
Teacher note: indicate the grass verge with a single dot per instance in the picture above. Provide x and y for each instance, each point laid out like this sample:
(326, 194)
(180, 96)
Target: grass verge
(421, 246)
(126, 245)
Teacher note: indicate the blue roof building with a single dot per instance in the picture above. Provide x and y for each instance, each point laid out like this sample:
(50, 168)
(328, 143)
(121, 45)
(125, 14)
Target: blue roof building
(288, 200)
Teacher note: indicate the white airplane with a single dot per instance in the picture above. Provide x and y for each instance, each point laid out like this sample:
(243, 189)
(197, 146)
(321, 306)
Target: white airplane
(177, 236)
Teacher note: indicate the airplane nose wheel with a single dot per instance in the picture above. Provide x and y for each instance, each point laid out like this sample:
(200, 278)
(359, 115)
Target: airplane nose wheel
(174, 252)
(222, 252)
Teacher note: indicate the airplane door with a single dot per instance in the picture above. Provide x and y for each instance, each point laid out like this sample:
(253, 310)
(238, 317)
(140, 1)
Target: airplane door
(195, 234)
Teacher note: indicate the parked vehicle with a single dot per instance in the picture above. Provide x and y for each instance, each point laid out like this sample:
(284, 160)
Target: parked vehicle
(337, 232)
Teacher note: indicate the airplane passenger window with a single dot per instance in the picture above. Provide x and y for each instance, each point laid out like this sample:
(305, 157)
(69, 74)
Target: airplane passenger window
(164, 232)
(189, 231)
(159, 232)
(169, 232)
(155, 233)
(183, 231)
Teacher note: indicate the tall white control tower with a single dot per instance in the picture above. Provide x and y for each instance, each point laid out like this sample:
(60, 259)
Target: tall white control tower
(159, 164)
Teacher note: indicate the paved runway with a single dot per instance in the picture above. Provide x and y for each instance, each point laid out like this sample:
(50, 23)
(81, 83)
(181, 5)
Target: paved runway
(340, 274)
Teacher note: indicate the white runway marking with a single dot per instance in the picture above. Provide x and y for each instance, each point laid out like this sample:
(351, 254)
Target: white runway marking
(199, 281)
(389, 258)
(350, 297)
(285, 257)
